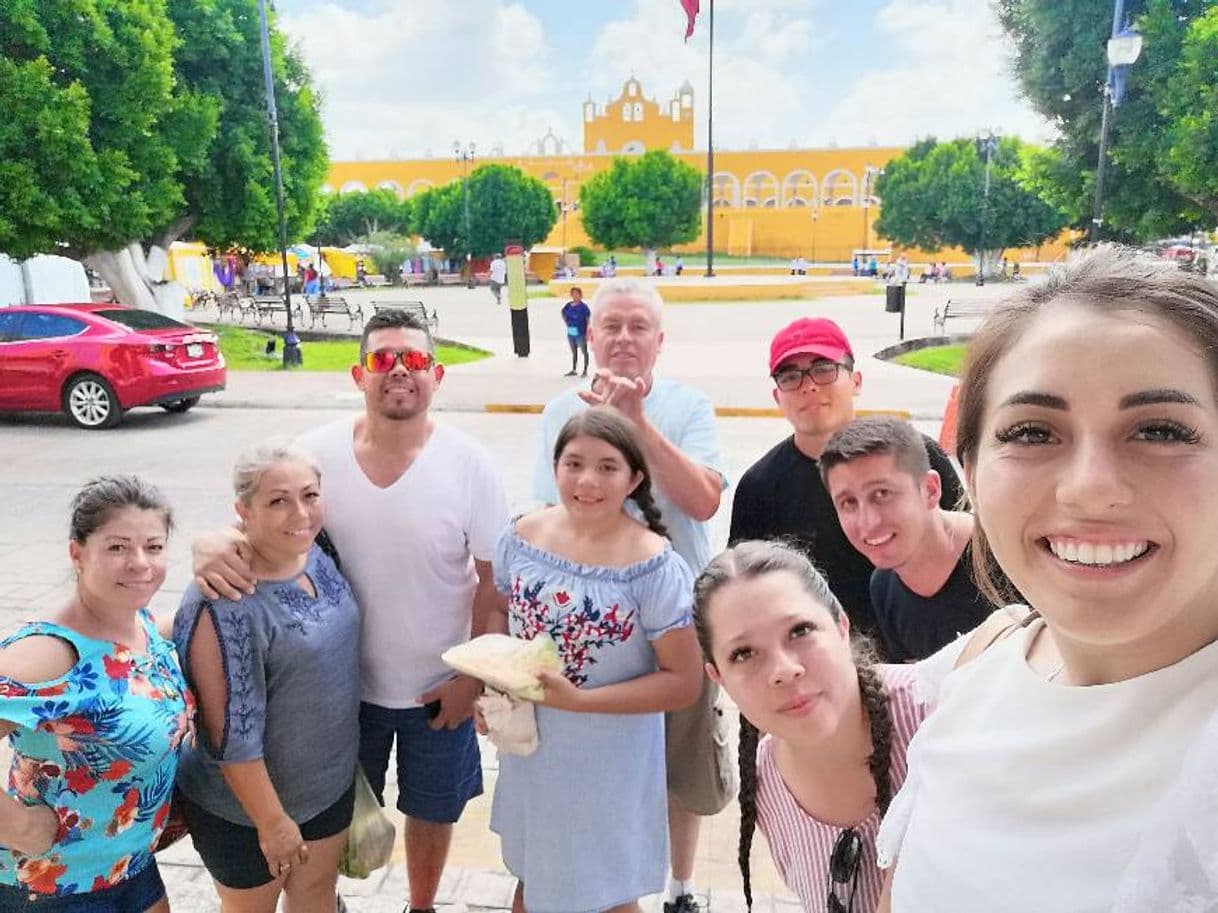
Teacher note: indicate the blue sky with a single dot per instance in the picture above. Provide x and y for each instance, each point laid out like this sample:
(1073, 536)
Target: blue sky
(402, 78)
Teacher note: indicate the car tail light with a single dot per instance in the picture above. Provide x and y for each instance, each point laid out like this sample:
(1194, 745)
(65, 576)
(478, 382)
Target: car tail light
(161, 350)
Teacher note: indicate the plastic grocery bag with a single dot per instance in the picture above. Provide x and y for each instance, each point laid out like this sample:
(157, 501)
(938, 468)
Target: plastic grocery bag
(510, 723)
(507, 664)
(371, 835)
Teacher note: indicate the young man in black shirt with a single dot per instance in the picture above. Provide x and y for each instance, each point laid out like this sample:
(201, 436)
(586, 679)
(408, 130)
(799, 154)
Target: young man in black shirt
(782, 495)
(887, 500)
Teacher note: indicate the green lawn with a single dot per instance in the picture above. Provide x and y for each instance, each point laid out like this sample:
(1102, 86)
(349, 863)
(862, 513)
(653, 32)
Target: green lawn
(636, 258)
(244, 351)
(939, 359)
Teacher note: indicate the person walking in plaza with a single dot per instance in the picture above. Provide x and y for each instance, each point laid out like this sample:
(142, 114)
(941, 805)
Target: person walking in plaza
(96, 710)
(782, 495)
(415, 509)
(269, 800)
(497, 277)
(575, 315)
(1089, 438)
(676, 430)
(615, 597)
(836, 723)
(887, 500)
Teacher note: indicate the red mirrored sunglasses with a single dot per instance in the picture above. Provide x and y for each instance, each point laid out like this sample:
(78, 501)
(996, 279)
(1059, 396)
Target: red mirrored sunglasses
(381, 361)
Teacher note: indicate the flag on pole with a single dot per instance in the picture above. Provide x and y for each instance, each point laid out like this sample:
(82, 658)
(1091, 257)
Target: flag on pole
(691, 11)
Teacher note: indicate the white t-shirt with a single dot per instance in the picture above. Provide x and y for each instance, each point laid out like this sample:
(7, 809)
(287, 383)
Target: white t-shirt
(1024, 794)
(408, 552)
(499, 271)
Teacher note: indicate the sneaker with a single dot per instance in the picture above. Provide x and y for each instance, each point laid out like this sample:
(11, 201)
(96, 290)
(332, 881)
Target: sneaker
(569, 374)
(683, 904)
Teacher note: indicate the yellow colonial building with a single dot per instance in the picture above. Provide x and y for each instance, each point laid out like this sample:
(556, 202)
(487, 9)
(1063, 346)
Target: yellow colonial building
(815, 203)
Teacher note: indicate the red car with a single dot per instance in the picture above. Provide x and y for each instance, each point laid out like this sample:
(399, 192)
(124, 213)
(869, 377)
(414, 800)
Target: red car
(95, 361)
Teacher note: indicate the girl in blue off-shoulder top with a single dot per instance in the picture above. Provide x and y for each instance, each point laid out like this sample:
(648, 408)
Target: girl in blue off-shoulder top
(583, 820)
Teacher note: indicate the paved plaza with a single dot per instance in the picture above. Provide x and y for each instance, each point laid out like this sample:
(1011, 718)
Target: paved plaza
(721, 348)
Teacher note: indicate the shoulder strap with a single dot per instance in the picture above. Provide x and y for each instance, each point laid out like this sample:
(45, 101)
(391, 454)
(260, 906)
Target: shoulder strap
(999, 626)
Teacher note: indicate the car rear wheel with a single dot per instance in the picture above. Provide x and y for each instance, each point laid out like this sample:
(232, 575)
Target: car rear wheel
(90, 402)
(181, 405)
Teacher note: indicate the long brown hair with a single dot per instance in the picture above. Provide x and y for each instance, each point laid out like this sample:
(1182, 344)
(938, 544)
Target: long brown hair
(749, 560)
(1108, 279)
(607, 424)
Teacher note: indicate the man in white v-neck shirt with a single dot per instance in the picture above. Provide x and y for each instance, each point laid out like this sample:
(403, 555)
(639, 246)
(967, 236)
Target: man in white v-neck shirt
(414, 510)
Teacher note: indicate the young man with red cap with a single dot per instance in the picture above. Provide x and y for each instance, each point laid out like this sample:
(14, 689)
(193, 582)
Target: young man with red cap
(782, 495)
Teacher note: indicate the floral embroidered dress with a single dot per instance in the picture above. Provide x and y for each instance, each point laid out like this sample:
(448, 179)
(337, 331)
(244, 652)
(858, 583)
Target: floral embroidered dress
(583, 821)
(100, 746)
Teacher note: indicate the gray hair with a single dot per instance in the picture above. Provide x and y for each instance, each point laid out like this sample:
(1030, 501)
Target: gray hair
(254, 462)
(100, 498)
(627, 287)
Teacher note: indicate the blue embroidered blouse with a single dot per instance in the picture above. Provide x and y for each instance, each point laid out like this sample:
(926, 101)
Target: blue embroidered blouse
(291, 662)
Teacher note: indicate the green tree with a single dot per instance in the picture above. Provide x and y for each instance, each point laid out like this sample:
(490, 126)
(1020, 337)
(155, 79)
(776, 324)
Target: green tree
(349, 217)
(1162, 175)
(934, 197)
(653, 201)
(505, 205)
(131, 124)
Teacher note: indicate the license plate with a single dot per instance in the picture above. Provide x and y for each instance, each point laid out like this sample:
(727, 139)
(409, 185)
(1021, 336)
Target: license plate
(194, 350)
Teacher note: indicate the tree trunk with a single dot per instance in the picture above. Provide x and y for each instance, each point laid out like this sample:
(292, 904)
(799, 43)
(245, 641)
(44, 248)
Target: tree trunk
(649, 259)
(138, 279)
(992, 260)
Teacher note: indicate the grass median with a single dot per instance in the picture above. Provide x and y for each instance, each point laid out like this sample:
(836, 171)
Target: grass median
(245, 350)
(937, 359)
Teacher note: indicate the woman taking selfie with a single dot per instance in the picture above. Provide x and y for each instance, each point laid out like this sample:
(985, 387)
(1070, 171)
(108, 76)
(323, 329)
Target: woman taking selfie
(1089, 439)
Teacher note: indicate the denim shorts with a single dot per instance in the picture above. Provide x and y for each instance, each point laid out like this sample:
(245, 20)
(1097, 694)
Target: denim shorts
(439, 770)
(231, 852)
(133, 895)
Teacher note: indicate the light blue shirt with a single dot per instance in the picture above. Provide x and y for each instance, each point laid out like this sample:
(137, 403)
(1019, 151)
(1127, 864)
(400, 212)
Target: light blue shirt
(686, 419)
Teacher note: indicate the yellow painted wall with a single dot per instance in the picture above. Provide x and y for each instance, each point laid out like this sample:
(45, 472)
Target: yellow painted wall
(632, 120)
(764, 198)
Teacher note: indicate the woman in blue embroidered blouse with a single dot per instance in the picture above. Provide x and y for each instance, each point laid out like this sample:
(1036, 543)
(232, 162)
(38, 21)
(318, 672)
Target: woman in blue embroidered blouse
(268, 790)
(95, 707)
(583, 821)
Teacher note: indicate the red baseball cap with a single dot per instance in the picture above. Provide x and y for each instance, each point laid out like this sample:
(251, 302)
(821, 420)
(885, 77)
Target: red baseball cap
(810, 336)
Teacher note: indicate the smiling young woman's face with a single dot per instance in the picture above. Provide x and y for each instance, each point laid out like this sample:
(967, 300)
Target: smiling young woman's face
(1096, 478)
(780, 655)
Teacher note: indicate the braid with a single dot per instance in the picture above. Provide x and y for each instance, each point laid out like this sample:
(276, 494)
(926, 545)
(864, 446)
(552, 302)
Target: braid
(748, 802)
(651, 513)
(879, 715)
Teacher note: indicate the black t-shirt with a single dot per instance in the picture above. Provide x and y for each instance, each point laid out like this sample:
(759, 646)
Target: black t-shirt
(781, 496)
(912, 627)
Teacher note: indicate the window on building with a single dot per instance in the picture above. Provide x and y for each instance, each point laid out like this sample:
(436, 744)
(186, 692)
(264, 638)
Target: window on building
(632, 88)
(638, 110)
(626, 112)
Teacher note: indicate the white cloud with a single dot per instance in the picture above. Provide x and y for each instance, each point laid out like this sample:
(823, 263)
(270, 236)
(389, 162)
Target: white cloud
(950, 77)
(397, 83)
(755, 94)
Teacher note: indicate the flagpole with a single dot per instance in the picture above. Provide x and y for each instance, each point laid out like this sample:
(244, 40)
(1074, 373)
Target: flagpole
(710, 147)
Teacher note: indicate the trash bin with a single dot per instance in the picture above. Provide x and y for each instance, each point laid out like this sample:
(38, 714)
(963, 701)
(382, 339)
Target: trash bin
(894, 301)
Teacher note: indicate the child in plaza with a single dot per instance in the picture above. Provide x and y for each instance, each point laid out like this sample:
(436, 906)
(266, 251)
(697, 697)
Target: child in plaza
(778, 642)
(97, 711)
(583, 821)
(576, 314)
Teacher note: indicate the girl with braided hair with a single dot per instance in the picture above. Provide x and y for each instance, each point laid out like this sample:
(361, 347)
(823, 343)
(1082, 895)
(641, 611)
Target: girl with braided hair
(583, 820)
(835, 723)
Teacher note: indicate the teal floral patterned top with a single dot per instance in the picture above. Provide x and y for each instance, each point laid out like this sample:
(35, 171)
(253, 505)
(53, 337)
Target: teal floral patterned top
(98, 745)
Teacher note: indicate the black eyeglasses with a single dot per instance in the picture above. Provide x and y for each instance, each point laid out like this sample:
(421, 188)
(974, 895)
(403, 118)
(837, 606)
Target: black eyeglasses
(844, 864)
(821, 373)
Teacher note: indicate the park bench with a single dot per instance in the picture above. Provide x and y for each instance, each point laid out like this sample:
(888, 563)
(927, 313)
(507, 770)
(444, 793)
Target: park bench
(962, 310)
(321, 306)
(410, 307)
(452, 279)
(375, 280)
(267, 306)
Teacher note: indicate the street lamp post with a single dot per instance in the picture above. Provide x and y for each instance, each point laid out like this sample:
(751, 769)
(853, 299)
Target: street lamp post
(868, 172)
(987, 142)
(1124, 48)
(815, 216)
(291, 342)
(465, 155)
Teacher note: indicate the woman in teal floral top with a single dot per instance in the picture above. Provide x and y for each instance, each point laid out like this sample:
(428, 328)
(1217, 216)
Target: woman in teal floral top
(96, 709)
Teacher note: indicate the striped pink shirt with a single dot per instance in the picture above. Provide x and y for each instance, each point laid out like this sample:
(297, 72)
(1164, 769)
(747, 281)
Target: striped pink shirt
(799, 844)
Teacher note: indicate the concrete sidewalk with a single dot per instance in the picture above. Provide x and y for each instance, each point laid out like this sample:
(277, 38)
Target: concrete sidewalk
(720, 348)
